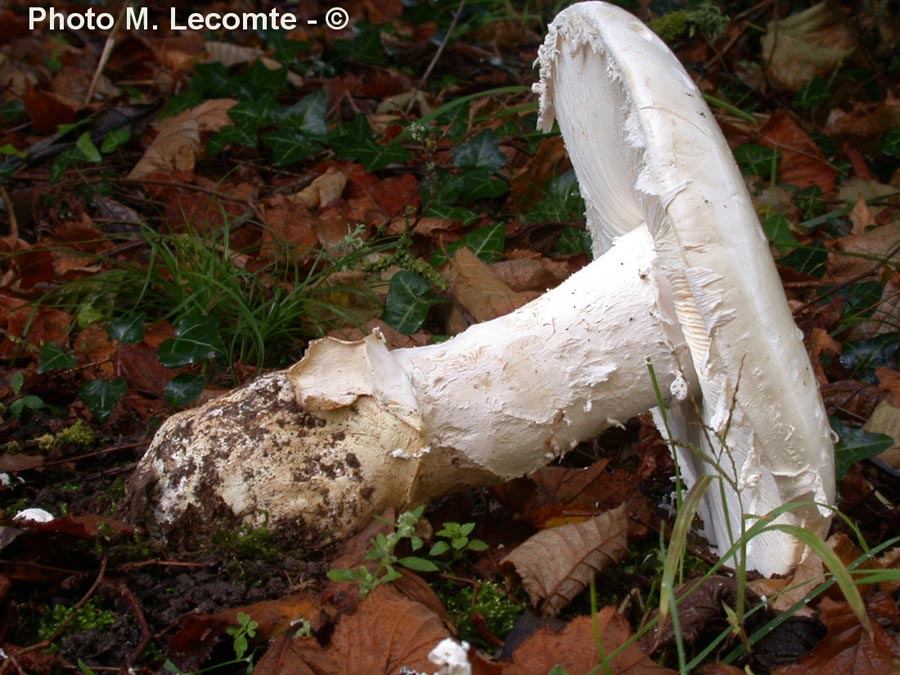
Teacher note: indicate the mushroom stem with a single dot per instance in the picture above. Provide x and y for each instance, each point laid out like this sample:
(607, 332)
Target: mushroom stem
(354, 428)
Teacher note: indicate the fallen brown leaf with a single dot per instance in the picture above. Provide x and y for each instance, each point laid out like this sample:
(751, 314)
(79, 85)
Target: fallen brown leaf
(575, 649)
(557, 564)
(387, 633)
(478, 291)
(847, 649)
(802, 163)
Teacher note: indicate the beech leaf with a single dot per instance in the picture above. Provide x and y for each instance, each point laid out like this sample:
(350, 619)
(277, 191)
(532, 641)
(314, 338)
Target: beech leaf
(556, 565)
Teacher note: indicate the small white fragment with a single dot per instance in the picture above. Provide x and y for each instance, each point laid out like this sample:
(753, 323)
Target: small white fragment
(679, 387)
(400, 453)
(451, 657)
(588, 405)
(4, 479)
(614, 423)
(377, 332)
(34, 515)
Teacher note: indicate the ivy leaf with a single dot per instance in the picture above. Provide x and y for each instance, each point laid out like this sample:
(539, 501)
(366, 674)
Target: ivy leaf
(778, 230)
(289, 147)
(87, 148)
(114, 139)
(233, 135)
(184, 389)
(355, 141)
(855, 445)
(562, 202)
(482, 152)
(863, 357)
(253, 113)
(890, 142)
(755, 159)
(408, 301)
(307, 116)
(196, 338)
(53, 357)
(101, 396)
(809, 260)
(812, 95)
(128, 328)
(486, 242)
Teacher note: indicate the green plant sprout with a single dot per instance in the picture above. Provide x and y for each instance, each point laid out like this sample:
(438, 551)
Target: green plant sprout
(455, 541)
(382, 550)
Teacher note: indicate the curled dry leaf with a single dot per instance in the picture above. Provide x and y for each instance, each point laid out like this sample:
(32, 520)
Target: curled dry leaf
(556, 565)
(478, 291)
(575, 649)
(387, 633)
(802, 163)
(177, 144)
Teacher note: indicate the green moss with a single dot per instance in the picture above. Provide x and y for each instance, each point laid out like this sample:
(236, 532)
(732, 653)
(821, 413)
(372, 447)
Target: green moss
(498, 609)
(89, 617)
(78, 434)
(258, 543)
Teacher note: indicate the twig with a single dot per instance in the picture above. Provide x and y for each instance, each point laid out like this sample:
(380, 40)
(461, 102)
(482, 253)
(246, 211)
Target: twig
(107, 50)
(44, 644)
(11, 212)
(142, 622)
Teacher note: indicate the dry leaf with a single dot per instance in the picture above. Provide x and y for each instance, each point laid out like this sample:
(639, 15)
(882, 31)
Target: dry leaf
(478, 291)
(575, 649)
(820, 342)
(865, 119)
(802, 163)
(853, 253)
(387, 633)
(295, 656)
(324, 189)
(847, 649)
(885, 419)
(177, 144)
(806, 45)
(556, 565)
(889, 384)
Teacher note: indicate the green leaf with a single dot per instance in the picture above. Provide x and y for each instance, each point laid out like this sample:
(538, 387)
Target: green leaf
(16, 382)
(439, 548)
(862, 357)
(890, 142)
(343, 575)
(483, 151)
(196, 338)
(254, 113)
(88, 315)
(755, 159)
(28, 402)
(364, 48)
(184, 389)
(562, 202)
(87, 148)
(778, 230)
(63, 161)
(477, 545)
(101, 396)
(809, 259)
(54, 357)
(408, 300)
(242, 136)
(307, 116)
(114, 139)
(418, 564)
(558, 670)
(289, 147)
(355, 141)
(855, 445)
(128, 328)
(812, 95)
(486, 242)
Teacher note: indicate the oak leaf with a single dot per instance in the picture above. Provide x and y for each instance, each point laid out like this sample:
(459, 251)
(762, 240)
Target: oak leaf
(557, 564)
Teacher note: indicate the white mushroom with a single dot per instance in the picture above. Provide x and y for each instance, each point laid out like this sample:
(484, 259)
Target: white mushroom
(647, 152)
(683, 278)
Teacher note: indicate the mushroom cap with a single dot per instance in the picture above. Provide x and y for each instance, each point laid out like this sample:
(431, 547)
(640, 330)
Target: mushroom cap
(646, 149)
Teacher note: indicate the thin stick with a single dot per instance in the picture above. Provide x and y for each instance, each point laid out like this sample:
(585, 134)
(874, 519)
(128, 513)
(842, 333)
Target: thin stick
(107, 50)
